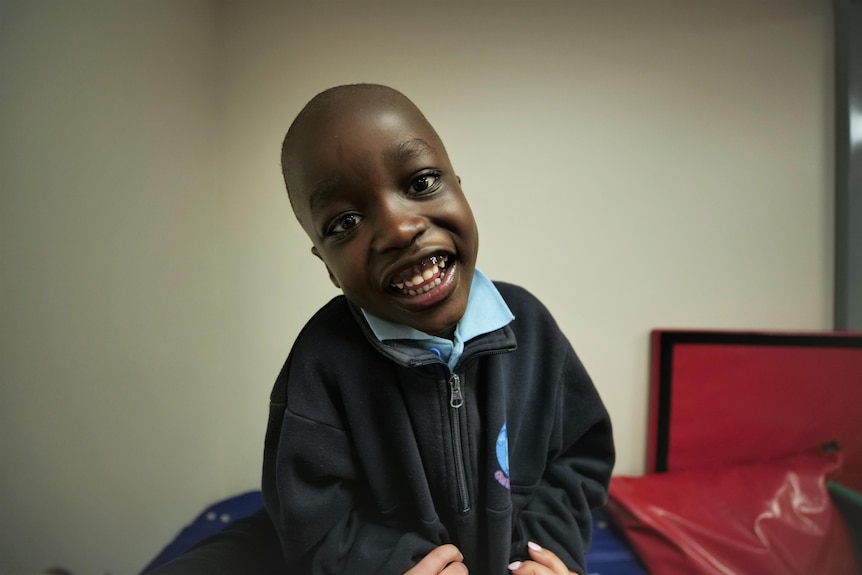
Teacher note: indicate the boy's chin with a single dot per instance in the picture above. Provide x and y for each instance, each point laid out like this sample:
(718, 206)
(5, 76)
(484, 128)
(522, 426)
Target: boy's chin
(443, 322)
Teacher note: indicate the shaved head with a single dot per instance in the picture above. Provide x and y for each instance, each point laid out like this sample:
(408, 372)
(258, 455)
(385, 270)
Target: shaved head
(332, 104)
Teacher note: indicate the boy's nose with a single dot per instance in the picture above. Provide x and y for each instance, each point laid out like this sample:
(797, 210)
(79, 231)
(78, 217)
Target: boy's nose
(398, 225)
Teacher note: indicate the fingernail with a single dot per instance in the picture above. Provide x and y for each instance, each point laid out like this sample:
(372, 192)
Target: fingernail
(534, 546)
(514, 566)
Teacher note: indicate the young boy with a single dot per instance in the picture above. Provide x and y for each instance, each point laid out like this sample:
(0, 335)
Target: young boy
(428, 420)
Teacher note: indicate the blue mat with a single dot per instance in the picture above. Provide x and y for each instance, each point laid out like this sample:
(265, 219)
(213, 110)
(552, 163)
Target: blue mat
(209, 522)
(609, 554)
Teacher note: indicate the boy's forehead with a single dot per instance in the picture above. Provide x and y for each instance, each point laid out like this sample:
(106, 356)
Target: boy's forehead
(362, 118)
(351, 133)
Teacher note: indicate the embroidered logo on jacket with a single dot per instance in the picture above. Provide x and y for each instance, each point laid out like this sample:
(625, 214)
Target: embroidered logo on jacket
(502, 474)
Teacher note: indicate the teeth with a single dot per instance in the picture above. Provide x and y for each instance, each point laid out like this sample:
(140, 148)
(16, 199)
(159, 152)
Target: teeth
(425, 288)
(421, 274)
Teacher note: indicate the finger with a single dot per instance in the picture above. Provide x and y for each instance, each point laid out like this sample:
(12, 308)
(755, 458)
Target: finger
(457, 568)
(437, 560)
(547, 559)
(529, 568)
(532, 568)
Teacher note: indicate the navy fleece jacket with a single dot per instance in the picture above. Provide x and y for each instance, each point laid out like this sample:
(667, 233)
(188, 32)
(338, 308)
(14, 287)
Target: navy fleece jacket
(376, 453)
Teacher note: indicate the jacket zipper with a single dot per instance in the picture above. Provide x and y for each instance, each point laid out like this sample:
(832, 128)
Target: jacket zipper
(456, 400)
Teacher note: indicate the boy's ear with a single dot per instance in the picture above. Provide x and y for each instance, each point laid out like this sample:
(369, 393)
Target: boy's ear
(331, 277)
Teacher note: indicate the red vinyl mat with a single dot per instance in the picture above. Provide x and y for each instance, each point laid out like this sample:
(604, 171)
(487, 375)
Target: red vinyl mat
(721, 398)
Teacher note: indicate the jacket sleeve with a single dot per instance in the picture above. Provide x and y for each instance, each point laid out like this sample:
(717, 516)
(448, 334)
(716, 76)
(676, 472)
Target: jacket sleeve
(313, 492)
(579, 463)
(248, 545)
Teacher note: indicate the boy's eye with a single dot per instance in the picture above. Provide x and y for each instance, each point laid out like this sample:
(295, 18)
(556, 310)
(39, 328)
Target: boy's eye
(425, 183)
(344, 223)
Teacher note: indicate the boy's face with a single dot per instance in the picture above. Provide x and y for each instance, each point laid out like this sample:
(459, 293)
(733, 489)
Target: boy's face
(374, 189)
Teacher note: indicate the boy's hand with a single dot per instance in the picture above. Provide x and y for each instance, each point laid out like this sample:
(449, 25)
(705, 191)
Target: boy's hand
(543, 562)
(442, 560)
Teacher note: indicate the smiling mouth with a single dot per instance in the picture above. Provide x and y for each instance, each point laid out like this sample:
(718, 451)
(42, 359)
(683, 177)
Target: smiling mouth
(422, 277)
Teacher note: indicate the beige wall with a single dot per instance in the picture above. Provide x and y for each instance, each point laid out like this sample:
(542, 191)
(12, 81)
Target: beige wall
(110, 374)
(634, 164)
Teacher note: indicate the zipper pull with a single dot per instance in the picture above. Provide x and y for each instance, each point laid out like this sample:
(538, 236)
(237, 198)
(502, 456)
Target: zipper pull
(456, 400)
